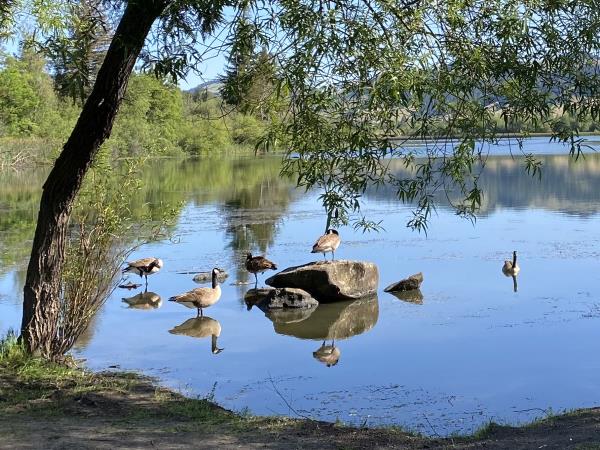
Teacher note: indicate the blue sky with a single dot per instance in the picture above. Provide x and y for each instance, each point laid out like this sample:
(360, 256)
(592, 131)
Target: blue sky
(208, 70)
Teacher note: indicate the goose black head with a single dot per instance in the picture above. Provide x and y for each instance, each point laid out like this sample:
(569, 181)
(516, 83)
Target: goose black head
(248, 256)
(332, 231)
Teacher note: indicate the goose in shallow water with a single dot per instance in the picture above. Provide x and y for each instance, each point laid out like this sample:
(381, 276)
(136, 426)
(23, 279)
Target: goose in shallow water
(144, 267)
(511, 268)
(255, 264)
(201, 327)
(329, 242)
(200, 298)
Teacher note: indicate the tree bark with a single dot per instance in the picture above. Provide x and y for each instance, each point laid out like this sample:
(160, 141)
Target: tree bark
(42, 285)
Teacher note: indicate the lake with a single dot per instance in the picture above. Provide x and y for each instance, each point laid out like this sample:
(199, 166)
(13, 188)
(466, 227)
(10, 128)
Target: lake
(469, 351)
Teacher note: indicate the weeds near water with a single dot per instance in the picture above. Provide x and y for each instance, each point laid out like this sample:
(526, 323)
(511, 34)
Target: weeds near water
(97, 246)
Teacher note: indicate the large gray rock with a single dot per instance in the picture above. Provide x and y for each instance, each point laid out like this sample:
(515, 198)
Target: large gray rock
(408, 284)
(284, 298)
(330, 281)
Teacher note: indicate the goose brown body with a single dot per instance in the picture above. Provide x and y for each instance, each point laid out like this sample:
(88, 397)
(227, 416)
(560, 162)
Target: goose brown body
(511, 268)
(200, 298)
(144, 267)
(256, 264)
(329, 242)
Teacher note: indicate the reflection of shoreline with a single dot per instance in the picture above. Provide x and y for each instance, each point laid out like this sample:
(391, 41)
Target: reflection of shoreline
(566, 185)
(328, 321)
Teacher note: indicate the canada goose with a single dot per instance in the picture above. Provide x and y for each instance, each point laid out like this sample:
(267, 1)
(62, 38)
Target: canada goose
(201, 327)
(201, 297)
(144, 300)
(328, 354)
(255, 264)
(329, 242)
(511, 269)
(144, 267)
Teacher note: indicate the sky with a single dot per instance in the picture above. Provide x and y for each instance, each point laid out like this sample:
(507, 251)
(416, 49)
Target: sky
(208, 71)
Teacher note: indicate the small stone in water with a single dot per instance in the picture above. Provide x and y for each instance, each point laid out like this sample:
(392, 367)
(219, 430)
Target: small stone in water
(130, 285)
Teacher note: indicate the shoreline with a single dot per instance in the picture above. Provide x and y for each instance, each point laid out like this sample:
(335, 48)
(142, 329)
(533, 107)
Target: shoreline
(46, 405)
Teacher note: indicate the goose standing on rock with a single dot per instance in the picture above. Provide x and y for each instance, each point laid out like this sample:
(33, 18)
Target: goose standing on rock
(200, 298)
(511, 269)
(255, 264)
(329, 242)
(144, 267)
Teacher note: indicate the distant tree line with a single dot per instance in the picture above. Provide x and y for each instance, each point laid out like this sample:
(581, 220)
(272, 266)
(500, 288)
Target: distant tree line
(156, 118)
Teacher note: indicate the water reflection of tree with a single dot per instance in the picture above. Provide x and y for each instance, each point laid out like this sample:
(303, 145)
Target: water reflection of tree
(251, 194)
(252, 215)
(566, 185)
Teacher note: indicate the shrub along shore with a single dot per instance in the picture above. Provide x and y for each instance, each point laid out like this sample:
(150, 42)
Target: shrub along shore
(50, 405)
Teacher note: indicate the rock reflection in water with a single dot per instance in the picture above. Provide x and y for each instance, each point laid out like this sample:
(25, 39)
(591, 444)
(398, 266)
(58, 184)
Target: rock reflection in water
(339, 320)
(415, 296)
(201, 327)
(144, 300)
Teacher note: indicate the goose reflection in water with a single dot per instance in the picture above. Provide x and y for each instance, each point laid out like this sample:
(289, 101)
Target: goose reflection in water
(201, 327)
(328, 321)
(328, 354)
(144, 300)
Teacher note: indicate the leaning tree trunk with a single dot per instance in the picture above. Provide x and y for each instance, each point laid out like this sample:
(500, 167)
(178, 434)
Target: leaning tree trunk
(42, 286)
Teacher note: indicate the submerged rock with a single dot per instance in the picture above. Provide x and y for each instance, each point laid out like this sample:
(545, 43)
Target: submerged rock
(206, 277)
(408, 284)
(130, 285)
(330, 281)
(284, 298)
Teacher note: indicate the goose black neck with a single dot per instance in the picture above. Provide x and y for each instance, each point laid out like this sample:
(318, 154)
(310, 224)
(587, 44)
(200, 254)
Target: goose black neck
(514, 259)
(214, 280)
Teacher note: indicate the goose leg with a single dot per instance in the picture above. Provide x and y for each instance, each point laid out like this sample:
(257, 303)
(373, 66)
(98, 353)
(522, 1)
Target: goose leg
(324, 257)
(333, 255)
(255, 280)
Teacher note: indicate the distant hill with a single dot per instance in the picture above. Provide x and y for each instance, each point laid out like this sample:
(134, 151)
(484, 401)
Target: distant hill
(212, 87)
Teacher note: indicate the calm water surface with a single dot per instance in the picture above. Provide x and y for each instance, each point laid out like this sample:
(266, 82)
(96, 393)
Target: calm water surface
(470, 351)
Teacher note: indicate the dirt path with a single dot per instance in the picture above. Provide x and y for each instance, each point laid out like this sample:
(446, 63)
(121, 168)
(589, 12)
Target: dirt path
(108, 411)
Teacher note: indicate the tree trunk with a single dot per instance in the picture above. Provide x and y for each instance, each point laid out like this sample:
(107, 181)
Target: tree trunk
(42, 285)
